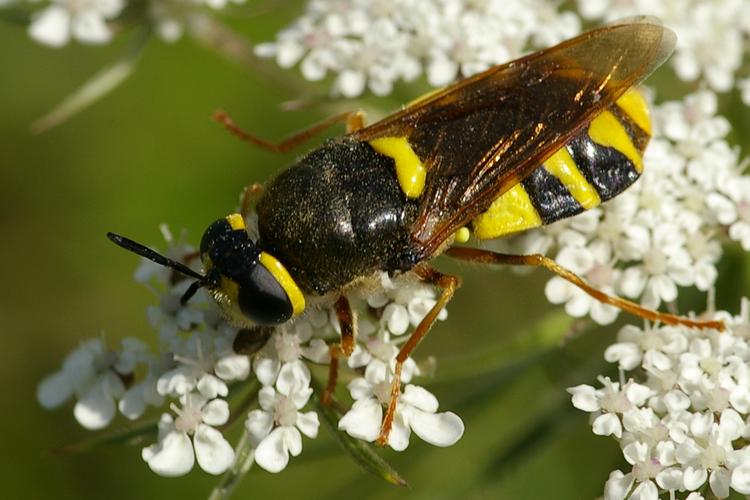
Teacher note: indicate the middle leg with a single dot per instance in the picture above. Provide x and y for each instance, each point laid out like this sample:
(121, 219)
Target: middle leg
(343, 349)
(448, 285)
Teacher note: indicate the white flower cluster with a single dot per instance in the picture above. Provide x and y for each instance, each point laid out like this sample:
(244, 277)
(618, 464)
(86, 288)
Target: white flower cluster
(91, 21)
(197, 363)
(375, 43)
(663, 232)
(682, 417)
(711, 35)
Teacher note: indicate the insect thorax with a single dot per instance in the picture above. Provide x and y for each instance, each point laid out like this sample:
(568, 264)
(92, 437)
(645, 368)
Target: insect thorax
(336, 215)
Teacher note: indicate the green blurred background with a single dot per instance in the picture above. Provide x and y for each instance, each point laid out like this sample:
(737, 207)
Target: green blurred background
(148, 153)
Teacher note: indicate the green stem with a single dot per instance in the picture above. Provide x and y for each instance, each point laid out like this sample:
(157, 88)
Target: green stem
(99, 85)
(243, 461)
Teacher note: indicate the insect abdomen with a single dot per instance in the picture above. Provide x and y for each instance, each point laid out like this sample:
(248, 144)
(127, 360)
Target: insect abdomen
(600, 162)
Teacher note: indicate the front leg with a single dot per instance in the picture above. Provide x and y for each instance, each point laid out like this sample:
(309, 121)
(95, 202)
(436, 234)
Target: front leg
(448, 284)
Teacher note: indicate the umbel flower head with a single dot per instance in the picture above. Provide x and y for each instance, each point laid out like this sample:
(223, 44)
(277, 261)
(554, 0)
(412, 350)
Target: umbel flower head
(681, 415)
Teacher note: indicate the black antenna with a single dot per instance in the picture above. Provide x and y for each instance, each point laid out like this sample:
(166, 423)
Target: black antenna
(143, 251)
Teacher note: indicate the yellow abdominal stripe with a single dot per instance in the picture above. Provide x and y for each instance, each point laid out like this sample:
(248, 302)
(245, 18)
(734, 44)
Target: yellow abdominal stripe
(606, 130)
(634, 105)
(279, 272)
(510, 213)
(410, 172)
(562, 166)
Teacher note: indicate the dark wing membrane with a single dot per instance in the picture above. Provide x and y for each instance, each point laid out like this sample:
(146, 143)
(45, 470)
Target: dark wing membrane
(482, 135)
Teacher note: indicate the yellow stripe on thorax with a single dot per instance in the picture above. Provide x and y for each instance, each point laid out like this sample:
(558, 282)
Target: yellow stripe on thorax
(634, 105)
(562, 166)
(236, 221)
(279, 272)
(607, 131)
(410, 172)
(510, 213)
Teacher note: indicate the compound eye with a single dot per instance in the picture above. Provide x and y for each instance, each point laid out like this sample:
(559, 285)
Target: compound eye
(262, 298)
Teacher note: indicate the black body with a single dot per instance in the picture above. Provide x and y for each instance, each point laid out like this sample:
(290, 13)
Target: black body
(336, 215)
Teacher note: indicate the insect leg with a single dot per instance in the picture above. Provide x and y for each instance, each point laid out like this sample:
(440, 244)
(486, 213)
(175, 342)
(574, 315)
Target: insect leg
(448, 285)
(343, 349)
(489, 257)
(351, 118)
(250, 196)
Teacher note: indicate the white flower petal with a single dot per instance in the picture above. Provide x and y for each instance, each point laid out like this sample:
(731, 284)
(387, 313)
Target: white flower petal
(420, 398)
(645, 491)
(272, 454)
(214, 454)
(212, 387)
(359, 388)
(740, 479)
(398, 439)
(90, 27)
(233, 367)
(51, 26)
(607, 424)
(627, 354)
(54, 390)
(96, 409)
(267, 398)
(318, 351)
(215, 412)
(293, 377)
(584, 398)
(363, 420)
(719, 482)
(670, 479)
(396, 318)
(308, 424)
(133, 404)
(258, 424)
(617, 486)
(694, 478)
(438, 429)
(292, 440)
(267, 369)
(171, 456)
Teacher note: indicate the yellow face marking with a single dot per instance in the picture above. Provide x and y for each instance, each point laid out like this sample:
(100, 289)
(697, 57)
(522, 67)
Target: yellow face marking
(462, 235)
(410, 172)
(236, 221)
(634, 105)
(607, 131)
(279, 272)
(510, 213)
(562, 166)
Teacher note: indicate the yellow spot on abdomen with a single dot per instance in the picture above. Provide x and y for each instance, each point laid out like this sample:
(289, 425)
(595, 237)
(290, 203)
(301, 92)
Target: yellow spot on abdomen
(606, 130)
(410, 172)
(634, 105)
(510, 213)
(236, 221)
(562, 166)
(286, 281)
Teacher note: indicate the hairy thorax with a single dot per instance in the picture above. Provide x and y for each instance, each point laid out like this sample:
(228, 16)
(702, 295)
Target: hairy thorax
(336, 216)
